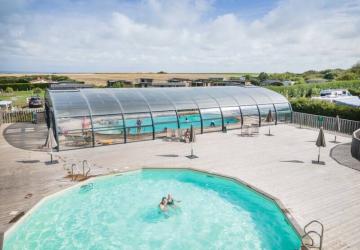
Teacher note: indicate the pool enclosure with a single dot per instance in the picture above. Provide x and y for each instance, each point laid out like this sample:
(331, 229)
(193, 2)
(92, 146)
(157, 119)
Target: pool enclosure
(95, 117)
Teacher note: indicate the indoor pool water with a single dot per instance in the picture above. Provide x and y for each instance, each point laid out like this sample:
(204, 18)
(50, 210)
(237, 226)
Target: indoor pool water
(121, 212)
(161, 123)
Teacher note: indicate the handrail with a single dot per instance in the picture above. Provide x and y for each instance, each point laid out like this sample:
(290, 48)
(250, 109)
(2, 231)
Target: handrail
(307, 234)
(355, 145)
(87, 164)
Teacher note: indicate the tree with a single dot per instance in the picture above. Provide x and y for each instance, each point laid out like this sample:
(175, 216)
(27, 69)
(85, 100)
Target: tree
(118, 85)
(247, 77)
(9, 90)
(37, 91)
(329, 75)
(263, 76)
(300, 80)
(348, 77)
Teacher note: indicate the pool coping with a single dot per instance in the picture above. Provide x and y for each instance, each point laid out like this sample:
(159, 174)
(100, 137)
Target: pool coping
(289, 217)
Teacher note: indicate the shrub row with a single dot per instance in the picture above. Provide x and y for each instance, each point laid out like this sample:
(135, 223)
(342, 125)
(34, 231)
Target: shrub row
(28, 78)
(308, 90)
(23, 86)
(318, 107)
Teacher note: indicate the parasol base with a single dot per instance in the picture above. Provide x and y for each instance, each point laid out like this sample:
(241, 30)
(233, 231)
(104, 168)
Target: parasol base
(269, 134)
(335, 142)
(51, 162)
(192, 157)
(318, 162)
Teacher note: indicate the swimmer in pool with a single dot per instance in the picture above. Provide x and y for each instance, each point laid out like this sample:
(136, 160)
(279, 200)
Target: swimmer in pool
(171, 201)
(163, 204)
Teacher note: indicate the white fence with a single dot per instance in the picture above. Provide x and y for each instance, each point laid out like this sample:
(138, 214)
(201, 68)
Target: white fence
(328, 123)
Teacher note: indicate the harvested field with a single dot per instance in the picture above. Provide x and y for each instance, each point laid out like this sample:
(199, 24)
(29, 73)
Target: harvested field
(101, 78)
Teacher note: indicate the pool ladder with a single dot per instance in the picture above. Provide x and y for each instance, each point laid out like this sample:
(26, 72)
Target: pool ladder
(85, 164)
(310, 233)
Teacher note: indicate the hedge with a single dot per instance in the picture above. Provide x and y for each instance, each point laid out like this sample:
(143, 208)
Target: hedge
(325, 108)
(308, 90)
(24, 86)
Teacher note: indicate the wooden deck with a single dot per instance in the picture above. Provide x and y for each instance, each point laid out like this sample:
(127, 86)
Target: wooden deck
(281, 165)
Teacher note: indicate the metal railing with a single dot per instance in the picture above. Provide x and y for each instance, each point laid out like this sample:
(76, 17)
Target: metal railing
(23, 115)
(355, 145)
(310, 233)
(343, 126)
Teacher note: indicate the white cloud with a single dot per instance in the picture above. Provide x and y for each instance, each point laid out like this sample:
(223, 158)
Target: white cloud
(180, 36)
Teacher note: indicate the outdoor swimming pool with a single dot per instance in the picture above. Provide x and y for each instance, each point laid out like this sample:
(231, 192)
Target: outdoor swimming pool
(121, 212)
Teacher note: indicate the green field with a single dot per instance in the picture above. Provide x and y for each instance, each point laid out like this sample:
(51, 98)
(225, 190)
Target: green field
(19, 98)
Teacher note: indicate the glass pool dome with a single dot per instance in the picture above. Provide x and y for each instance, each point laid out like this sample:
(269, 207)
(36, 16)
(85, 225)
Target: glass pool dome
(95, 117)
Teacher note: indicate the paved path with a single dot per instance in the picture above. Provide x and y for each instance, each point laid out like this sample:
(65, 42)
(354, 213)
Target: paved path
(341, 153)
(26, 135)
(280, 165)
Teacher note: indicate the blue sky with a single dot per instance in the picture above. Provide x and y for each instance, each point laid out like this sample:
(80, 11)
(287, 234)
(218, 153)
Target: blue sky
(178, 36)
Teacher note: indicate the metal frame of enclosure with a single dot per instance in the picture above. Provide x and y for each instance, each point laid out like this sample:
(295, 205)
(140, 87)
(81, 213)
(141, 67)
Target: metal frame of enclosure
(95, 117)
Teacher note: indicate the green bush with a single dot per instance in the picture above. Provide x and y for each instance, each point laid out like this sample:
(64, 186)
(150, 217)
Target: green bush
(355, 92)
(302, 90)
(37, 91)
(318, 107)
(25, 86)
(118, 85)
(9, 90)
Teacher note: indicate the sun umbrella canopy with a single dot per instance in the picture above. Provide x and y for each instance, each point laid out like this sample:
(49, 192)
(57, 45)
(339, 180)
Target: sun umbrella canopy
(320, 142)
(269, 117)
(50, 140)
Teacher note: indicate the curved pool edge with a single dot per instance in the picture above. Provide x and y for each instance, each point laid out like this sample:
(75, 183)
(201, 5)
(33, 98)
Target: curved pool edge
(287, 214)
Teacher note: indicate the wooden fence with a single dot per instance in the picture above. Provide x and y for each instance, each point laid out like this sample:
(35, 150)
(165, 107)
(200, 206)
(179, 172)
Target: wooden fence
(23, 115)
(328, 123)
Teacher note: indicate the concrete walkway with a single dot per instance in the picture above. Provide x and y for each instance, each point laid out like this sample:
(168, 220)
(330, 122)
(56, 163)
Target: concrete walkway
(280, 165)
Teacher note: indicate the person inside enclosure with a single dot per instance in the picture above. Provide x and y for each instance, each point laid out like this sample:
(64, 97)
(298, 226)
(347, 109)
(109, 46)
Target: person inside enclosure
(138, 126)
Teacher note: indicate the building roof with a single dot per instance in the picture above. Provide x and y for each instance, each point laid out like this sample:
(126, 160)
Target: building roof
(83, 102)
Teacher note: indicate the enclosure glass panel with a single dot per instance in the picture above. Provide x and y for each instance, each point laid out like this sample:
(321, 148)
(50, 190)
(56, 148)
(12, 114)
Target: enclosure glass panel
(283, 112)
(108, 129)
(240, 95)
(264, 111)
(213, 113)
(221, 97)
(261, 97)
(69, 103)
(138, 119)
(109, 136)
(73, 123)
(232, 117)
(74, 132)
(201, 97)
(212, 120)
(188, 118)
(165, 123)
(101, 102)
(107, 122)
(131, 101)
(272, 96)
(250, 115)
(139, 133)
(138, 127)
(156, 99)
(180, 98)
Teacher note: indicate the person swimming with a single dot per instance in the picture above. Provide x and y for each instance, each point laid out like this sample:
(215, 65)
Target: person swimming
(171, 201)
(163, 204)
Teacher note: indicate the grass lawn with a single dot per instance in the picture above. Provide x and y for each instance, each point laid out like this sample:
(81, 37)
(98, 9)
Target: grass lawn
(19, 98)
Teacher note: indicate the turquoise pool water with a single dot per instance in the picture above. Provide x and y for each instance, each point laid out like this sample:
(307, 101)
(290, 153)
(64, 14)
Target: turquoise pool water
(163, 122)
(121, 212)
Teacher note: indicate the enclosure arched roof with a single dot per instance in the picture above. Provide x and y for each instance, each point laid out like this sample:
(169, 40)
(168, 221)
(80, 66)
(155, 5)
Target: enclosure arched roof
(101, 101)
